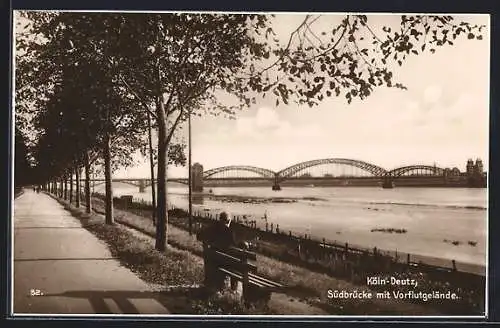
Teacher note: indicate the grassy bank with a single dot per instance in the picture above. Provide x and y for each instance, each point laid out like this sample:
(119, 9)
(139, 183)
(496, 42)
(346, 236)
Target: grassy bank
(306, 285)
(277, 247)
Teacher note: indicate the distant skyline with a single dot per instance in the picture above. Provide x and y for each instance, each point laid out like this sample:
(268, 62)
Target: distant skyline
(442, 118)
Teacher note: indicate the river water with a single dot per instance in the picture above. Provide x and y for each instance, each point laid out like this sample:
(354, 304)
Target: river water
(447, 223)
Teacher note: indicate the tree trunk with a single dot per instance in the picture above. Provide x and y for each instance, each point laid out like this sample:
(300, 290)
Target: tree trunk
(61, 187)
(77, 172)
(65, 187)
(88, 198)
(71, 187)
(151, 161)
(162, 212)
(190, 177)
(107, 177)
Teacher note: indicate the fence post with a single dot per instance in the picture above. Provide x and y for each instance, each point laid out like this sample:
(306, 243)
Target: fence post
(245, 285)
(454, 265)
(324, 248)
(209, 270)
(408, 259)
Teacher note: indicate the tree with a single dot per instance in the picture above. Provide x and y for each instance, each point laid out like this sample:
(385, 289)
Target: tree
(183, 59)
(176, 156)
(22, 165)
(99, 120)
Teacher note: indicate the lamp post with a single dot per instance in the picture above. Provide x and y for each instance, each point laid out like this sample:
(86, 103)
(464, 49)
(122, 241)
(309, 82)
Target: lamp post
(190, 180)
(151, 165)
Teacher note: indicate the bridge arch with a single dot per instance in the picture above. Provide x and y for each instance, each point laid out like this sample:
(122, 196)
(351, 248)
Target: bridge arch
(422, 168)
(258, 170)
(371, 168)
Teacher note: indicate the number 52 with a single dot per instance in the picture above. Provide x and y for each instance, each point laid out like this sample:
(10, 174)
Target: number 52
(35, 292)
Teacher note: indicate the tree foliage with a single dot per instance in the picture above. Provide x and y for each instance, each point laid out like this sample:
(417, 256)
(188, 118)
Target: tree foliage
(350, 60)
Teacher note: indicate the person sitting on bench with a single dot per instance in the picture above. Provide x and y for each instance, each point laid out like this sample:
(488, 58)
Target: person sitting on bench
(220, 234)
(221, 237)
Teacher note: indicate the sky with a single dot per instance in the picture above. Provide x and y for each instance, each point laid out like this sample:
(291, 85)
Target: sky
(442, 119)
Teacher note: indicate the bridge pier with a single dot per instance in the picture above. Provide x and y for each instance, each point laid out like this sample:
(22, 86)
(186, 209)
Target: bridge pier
(276, 184)
(142, 186)
(388, 183)
(197, 177)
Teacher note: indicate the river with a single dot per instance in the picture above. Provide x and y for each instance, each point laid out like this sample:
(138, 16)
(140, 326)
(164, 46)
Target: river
(448, 223)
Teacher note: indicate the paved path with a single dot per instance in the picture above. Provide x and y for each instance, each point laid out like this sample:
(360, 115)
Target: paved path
(73, 269)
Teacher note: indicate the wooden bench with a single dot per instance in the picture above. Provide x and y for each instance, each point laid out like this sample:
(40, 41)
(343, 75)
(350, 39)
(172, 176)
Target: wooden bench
(235, 263)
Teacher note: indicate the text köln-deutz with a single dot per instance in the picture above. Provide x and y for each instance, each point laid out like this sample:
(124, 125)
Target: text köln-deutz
(393, 281)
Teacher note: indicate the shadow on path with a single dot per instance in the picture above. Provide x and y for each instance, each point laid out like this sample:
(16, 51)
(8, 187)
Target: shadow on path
(67, 259)
(46, 227)
(176, 300)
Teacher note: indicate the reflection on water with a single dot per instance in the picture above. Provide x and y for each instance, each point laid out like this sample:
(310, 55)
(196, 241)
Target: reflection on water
(432, 217)
(197, 199)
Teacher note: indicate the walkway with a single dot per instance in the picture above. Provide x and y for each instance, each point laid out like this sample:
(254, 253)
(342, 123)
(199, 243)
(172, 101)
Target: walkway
(72, 269)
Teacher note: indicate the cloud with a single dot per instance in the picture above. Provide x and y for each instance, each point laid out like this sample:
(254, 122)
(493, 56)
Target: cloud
(245, 126)
(267, 123)
(284, 130)
(432, 94)
(463, 122)
(267, 118)
(309, 131)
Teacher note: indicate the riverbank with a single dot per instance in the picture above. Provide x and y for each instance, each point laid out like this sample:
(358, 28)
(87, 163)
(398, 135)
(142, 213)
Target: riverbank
(363, 218)
(311, 277)
(339, 238)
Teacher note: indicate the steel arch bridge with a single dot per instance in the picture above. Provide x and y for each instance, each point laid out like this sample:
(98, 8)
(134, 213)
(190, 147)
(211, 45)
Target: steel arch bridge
(130, 182)
(292, 170)
(258, 170)
(419, 169)
(377, 172)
